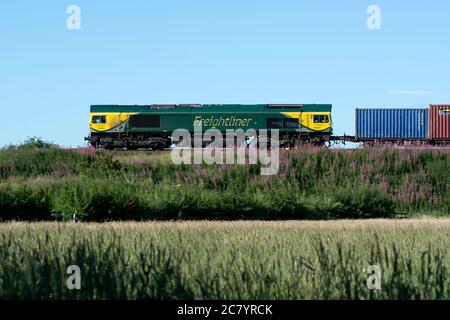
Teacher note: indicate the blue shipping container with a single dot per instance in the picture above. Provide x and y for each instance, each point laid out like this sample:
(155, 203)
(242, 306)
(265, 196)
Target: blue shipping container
(391, 124)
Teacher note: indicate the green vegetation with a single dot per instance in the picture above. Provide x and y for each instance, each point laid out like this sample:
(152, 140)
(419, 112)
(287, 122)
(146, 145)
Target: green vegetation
(226, 260)
(42, 183)
(33, 143)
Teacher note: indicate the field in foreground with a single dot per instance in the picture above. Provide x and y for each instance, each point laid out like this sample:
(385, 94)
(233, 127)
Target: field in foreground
(227, 260)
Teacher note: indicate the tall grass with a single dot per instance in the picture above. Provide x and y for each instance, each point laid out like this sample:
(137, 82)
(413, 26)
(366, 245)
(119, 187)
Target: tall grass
(311, 183)
(226, 260)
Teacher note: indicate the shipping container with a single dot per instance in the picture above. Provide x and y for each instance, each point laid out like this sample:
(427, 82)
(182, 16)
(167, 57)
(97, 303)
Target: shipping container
(440, 122)
(391, 124)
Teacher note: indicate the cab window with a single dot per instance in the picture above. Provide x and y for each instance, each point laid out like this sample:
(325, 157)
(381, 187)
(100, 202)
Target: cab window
(98, 119)
(321, 118)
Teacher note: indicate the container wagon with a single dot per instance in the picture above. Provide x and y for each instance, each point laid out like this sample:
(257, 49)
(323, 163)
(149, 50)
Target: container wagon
(439, 124)
(398, 126)
(391, 125)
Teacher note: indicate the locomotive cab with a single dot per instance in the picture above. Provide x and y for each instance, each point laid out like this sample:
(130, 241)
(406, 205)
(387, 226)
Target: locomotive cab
(316, 121)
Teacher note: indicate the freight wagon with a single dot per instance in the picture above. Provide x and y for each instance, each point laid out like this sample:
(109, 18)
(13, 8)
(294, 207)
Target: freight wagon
(395, 125)
(150, 126)
(439, 124)
(391, 124)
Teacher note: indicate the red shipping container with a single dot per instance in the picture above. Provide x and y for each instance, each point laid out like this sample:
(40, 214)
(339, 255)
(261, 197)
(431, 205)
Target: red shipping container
(440, 122)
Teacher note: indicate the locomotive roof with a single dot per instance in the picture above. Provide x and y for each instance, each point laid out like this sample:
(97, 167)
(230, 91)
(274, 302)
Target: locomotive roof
(212, 107)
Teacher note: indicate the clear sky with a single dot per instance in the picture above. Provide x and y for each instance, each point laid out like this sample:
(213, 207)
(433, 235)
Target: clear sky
(206, 51)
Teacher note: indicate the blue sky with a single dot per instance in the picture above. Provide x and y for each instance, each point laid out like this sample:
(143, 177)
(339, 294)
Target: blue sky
(142, 52)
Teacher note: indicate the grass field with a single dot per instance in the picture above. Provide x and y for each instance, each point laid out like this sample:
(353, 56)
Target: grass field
(226, 260)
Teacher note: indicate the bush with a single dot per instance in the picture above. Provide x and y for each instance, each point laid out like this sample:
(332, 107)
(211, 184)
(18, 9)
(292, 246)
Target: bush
(33, 143)
(363, 202)
(56, 162)
(25, 201)
(99, 199)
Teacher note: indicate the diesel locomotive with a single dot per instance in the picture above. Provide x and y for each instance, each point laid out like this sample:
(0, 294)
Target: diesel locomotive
(150, 126)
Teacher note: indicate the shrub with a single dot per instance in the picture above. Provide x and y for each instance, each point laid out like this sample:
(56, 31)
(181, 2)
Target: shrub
(25, 201)
(98, 199)
(33, 143)
(57, 162)
(363, 202)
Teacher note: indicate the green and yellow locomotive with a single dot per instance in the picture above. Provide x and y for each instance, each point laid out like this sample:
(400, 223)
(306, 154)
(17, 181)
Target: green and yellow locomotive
(150, 126)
